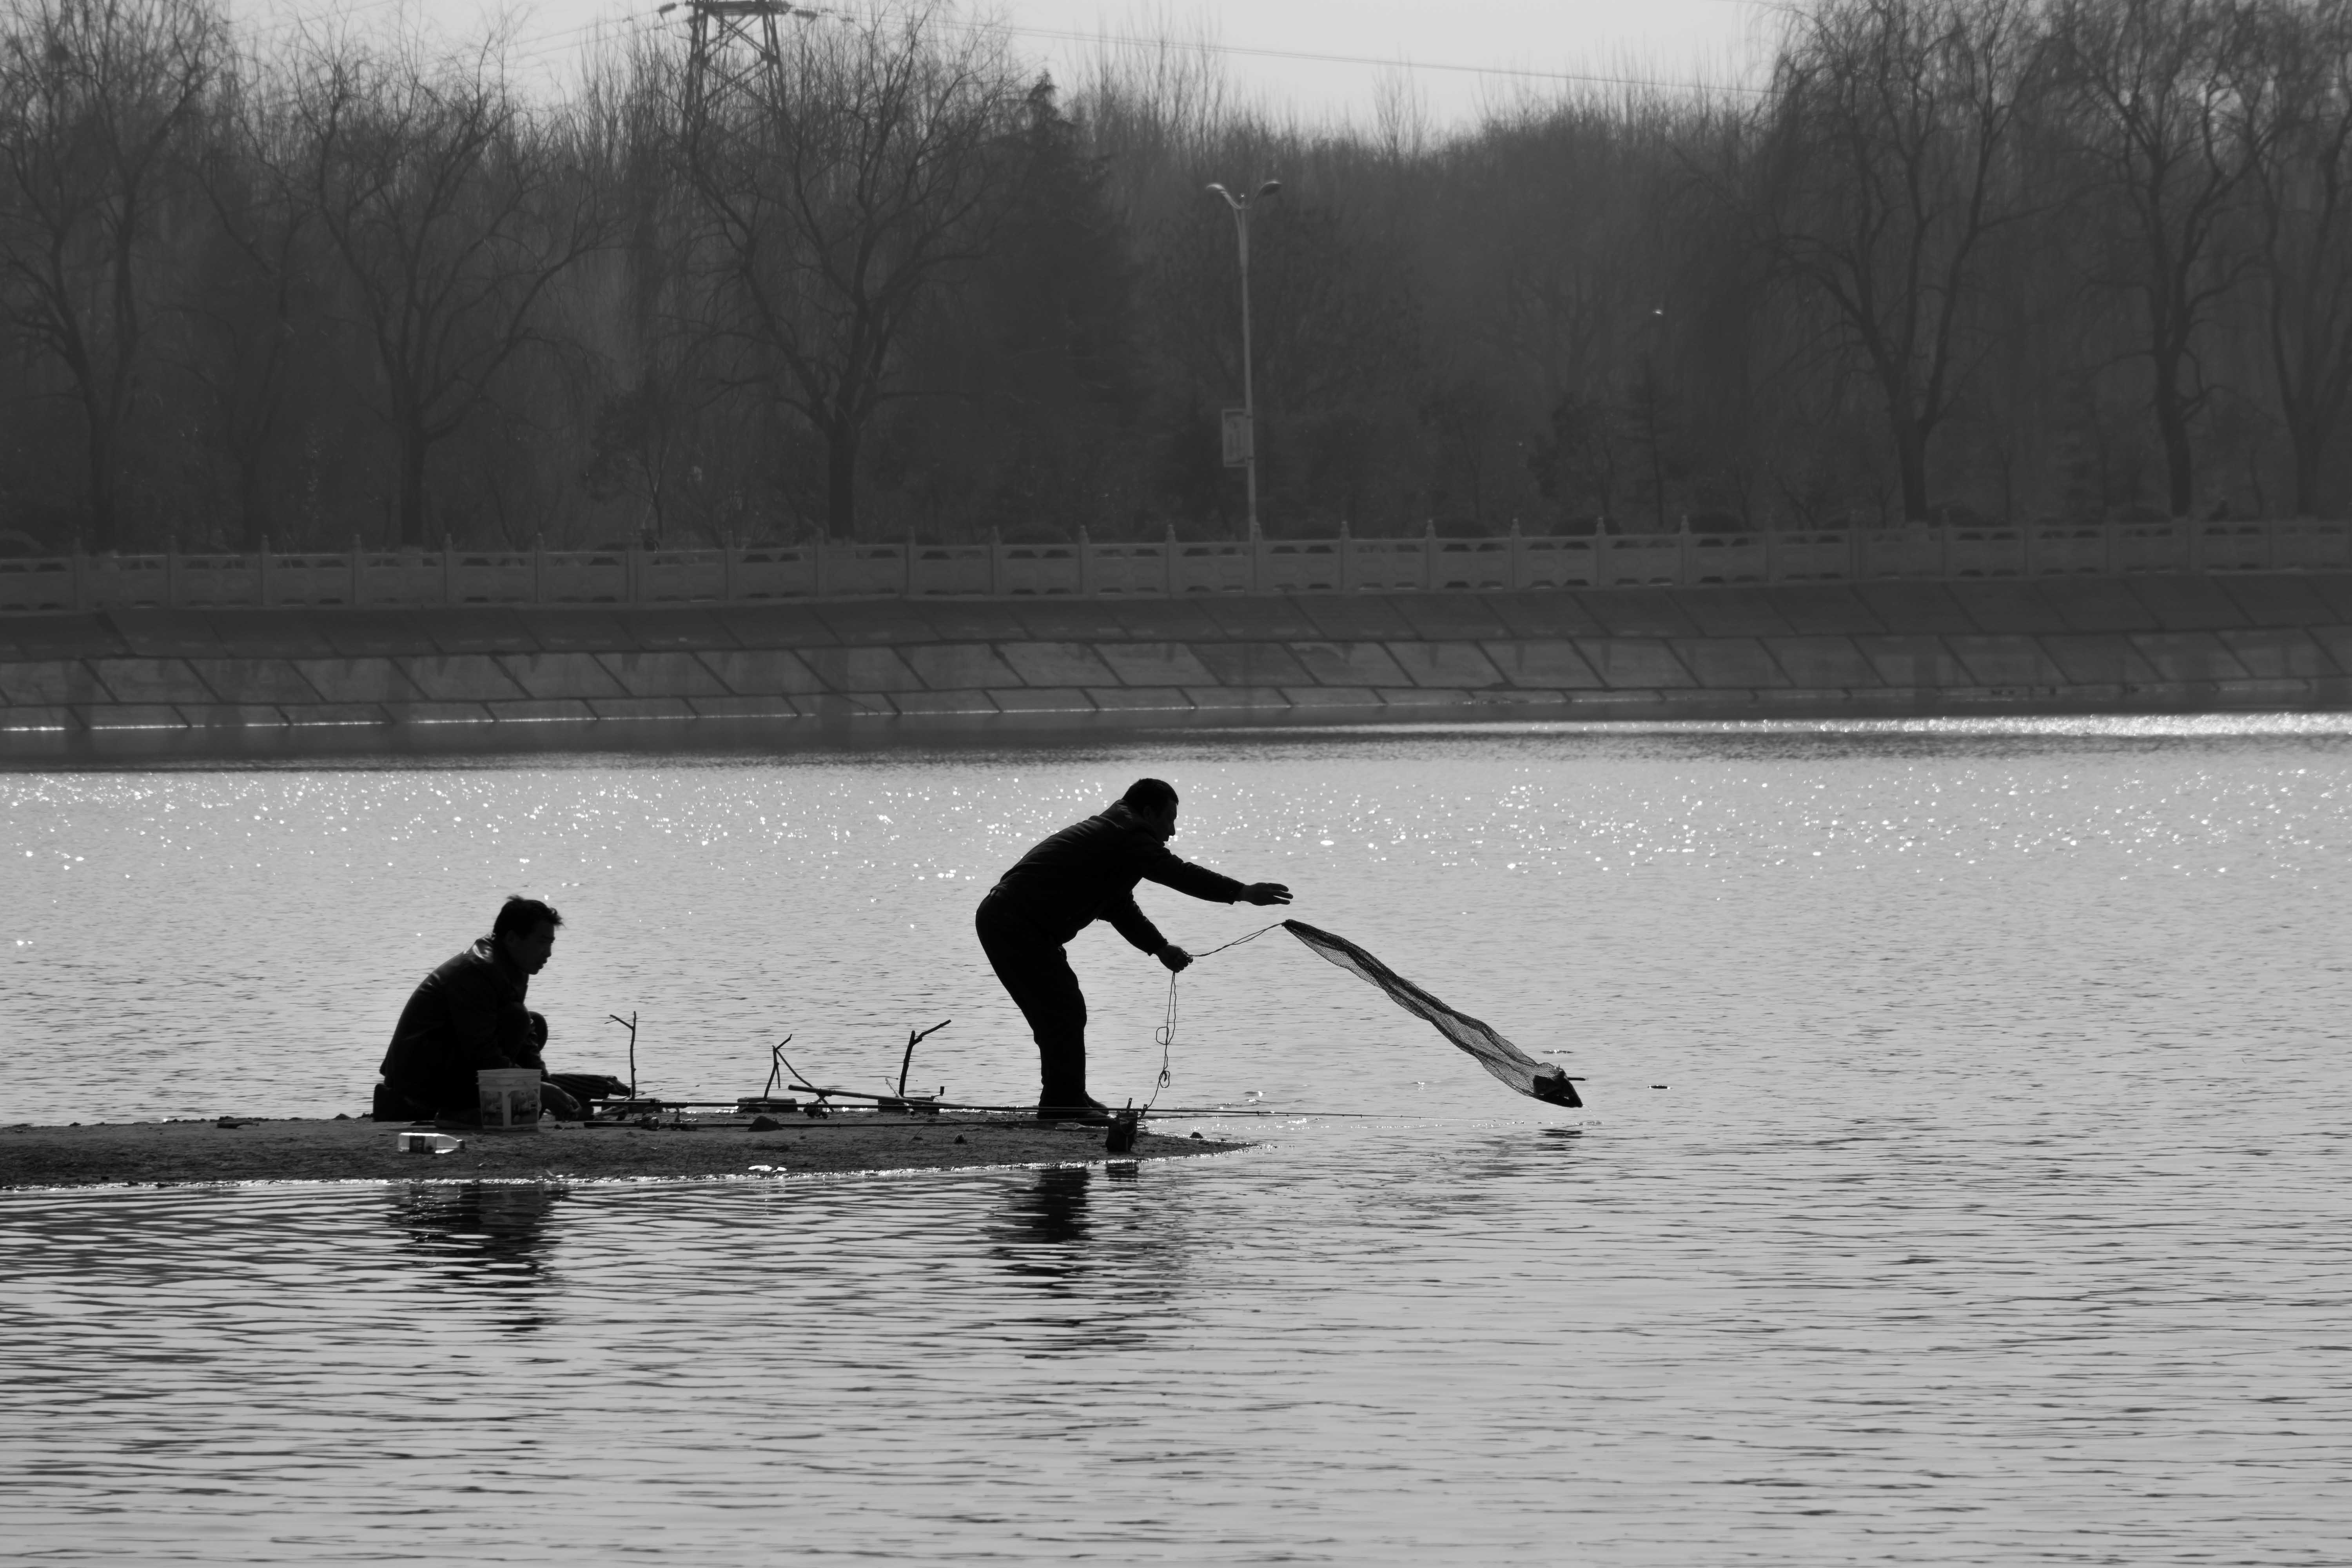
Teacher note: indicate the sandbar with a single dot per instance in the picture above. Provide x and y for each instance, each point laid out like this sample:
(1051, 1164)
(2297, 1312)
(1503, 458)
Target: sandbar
(166, 1153)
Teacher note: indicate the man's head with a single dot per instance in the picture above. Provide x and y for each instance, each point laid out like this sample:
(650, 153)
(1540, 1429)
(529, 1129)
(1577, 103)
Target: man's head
(1154, 800)
(525, 931)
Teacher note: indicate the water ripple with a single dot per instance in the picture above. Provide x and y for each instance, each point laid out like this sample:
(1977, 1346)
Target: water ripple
(1991, 1210)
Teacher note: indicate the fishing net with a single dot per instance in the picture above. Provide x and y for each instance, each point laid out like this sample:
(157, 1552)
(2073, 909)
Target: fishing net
(1506, 1061)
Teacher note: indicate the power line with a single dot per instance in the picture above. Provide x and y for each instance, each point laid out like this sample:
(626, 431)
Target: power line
(1321, 57)
(1314, 57)
(546, 43)
(540, 46)
(277, 19)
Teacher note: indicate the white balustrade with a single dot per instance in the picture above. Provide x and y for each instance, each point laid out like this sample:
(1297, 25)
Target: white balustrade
(1730, 558)
(583, 577)
(2310, 544)
(51, 583)
(1129, 571)
(491, 577)
(2232, 546)
(1473, 566)
(1037, 571)
(765, 572)
(1162, 568)
(681, 577)
(1810, 556)
(1979, 553)
(1306, 565)
(865, 572)
(2147, 547)
(397, 579)
(2060, 550)
(221, 579)
(1900, 552)
(949, 571)
(1214, 566)
(1552, 563)
(1640, 560)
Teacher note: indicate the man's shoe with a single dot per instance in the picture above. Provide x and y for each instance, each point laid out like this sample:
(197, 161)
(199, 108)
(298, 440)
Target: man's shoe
(1088, 1112)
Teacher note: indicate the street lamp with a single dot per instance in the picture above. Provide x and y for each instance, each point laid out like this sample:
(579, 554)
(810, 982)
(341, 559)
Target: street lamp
(1241, 206)
(1654, 323)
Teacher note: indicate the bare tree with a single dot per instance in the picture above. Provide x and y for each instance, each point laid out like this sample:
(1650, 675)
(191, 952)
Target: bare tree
(841, 186)
(92, 94)
(1892, 162)
(2151, 80)
(452, 211)
(243, 282)
(2028, 254)
(1549, 291)
(2292, 98)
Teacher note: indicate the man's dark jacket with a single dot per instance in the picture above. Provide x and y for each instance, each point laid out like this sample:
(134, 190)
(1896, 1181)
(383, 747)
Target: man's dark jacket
(469, 1014)
(1089, 872)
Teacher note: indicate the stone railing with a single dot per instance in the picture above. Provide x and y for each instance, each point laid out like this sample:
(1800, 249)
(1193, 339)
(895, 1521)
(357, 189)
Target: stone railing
(768, 574)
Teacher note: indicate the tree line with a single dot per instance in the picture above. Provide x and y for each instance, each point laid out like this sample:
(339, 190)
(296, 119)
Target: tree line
(874, 276)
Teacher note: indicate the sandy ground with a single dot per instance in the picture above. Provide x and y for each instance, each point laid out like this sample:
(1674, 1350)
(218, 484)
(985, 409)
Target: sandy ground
(163, 1152)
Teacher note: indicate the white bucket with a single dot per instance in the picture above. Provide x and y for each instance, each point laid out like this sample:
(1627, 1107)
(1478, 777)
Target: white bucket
(509, 1098)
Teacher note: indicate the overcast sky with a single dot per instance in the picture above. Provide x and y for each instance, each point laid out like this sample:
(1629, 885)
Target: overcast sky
(1271, 47)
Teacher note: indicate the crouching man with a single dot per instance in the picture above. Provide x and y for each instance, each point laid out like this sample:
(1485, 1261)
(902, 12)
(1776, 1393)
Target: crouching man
(470, 1013)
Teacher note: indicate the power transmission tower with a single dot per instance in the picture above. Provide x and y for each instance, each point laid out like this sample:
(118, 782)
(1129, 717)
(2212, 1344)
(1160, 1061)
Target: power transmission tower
(733, 48)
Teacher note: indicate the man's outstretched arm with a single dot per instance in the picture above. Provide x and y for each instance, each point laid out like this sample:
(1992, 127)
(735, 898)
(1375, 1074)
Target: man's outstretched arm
(1217, 887)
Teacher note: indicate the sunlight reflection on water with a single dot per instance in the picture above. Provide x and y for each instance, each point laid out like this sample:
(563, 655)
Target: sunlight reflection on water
(1992, 1212)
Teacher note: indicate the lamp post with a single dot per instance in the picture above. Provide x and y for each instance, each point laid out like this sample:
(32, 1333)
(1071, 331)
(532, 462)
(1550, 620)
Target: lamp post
(1241, 206)
(1652, 324)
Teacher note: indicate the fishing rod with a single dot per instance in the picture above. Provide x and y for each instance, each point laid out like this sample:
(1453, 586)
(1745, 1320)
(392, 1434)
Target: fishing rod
(780, 1064)
(780, 1069)
(900, 1101)
(925, 1107)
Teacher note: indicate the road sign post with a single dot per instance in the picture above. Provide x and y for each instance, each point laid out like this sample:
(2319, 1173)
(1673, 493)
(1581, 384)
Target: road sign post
(1241, 446)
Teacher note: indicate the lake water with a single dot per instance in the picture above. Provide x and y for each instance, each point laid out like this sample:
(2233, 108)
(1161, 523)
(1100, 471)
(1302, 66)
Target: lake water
(1964, 1178)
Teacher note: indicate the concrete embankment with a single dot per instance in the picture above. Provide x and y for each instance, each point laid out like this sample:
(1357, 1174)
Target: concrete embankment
(158, 682)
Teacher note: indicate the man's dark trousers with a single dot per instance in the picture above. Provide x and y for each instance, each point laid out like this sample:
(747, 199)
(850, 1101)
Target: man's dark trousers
(1036, 974)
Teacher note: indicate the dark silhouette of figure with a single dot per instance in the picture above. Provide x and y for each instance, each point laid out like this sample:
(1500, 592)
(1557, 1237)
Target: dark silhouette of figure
(1082, 874)
(1052, 1211)
(490, 1239)
(470, 1013)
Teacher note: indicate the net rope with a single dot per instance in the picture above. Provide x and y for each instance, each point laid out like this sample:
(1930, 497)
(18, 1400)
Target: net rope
(1164, 1036)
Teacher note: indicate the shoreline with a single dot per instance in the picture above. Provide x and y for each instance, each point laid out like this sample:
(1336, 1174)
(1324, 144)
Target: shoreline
(167, 746)
(241, 1150)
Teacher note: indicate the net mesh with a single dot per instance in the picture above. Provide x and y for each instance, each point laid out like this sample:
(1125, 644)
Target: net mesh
(1506, 1061)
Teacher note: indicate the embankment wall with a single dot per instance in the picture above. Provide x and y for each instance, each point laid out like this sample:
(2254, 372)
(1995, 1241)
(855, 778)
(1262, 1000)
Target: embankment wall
(225, 681)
